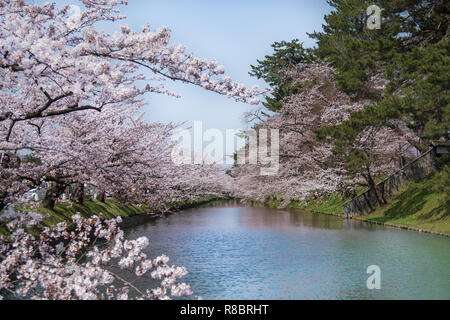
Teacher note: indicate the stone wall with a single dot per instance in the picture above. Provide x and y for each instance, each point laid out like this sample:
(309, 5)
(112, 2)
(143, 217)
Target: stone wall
(365, 203)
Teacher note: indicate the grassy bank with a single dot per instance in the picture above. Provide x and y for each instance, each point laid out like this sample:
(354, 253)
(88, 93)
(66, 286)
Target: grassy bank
(331, 204)
(107, 210)
(421, 205)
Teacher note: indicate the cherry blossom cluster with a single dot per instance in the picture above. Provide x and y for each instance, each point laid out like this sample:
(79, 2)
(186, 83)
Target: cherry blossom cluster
(70, 95)
(115, 151)
(76, 260)
(51, 67)
(70, 99)
(308, 168)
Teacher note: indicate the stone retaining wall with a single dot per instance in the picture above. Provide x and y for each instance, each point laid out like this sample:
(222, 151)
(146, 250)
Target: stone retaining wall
(365, 203)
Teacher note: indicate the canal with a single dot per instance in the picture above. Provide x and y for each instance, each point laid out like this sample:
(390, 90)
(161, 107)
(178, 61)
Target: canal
(237, 252)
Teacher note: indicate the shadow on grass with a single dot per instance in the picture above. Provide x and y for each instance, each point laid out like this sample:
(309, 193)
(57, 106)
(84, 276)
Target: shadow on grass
(408, 203)
(109, 210)
(413, 200)
(444, 208)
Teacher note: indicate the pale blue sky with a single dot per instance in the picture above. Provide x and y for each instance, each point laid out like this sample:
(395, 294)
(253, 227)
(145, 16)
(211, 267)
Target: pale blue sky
(236, 33)
(233, 32)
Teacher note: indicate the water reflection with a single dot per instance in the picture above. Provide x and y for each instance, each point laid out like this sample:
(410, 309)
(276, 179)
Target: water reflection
(237, 252)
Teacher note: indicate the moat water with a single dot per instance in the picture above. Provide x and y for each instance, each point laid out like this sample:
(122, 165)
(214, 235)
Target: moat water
(237, 252)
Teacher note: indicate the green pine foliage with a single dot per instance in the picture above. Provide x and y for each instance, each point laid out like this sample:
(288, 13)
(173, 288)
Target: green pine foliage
(410, 51)
(271, 69)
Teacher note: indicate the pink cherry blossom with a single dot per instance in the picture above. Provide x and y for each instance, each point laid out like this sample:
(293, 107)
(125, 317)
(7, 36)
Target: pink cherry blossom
(308, 168)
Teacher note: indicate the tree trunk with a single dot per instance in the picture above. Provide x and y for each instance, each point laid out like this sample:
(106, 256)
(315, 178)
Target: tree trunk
(101, 196)
(2, 200)
(52, 193)
(7, 161)
(374, 189)
(78, 194)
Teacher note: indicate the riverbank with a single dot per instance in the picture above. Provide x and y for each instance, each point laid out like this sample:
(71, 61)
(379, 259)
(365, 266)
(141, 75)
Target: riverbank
(131, 214)
(422, 206)
(331, 205)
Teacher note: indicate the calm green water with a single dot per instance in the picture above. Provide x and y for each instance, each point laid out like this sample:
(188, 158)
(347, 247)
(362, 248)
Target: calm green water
(235, 252)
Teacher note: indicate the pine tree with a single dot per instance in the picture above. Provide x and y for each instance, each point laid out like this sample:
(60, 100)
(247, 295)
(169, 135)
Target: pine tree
(410, 52)
(272, 70)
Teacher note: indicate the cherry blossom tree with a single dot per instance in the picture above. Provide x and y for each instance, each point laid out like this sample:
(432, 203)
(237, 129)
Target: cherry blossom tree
(51, 66)
(309, 168)
(119, 153)
(54, 67)
(63, 263)
(70, 97)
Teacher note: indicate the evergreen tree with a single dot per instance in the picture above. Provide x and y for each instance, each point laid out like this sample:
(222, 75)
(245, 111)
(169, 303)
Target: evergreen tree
(400, 71)
(359, 53)
(410, 52)
(272, 70)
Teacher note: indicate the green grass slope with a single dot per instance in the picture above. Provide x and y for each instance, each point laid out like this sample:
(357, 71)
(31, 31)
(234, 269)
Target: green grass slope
(108, 210)
(422, 205)
(331, 204)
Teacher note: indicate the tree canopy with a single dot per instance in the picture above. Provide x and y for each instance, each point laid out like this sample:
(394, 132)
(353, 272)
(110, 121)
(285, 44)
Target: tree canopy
(272, 69)
(399, 73)
(410, 53)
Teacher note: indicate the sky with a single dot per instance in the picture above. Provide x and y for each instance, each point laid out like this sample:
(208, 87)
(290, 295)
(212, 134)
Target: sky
(234, 32)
